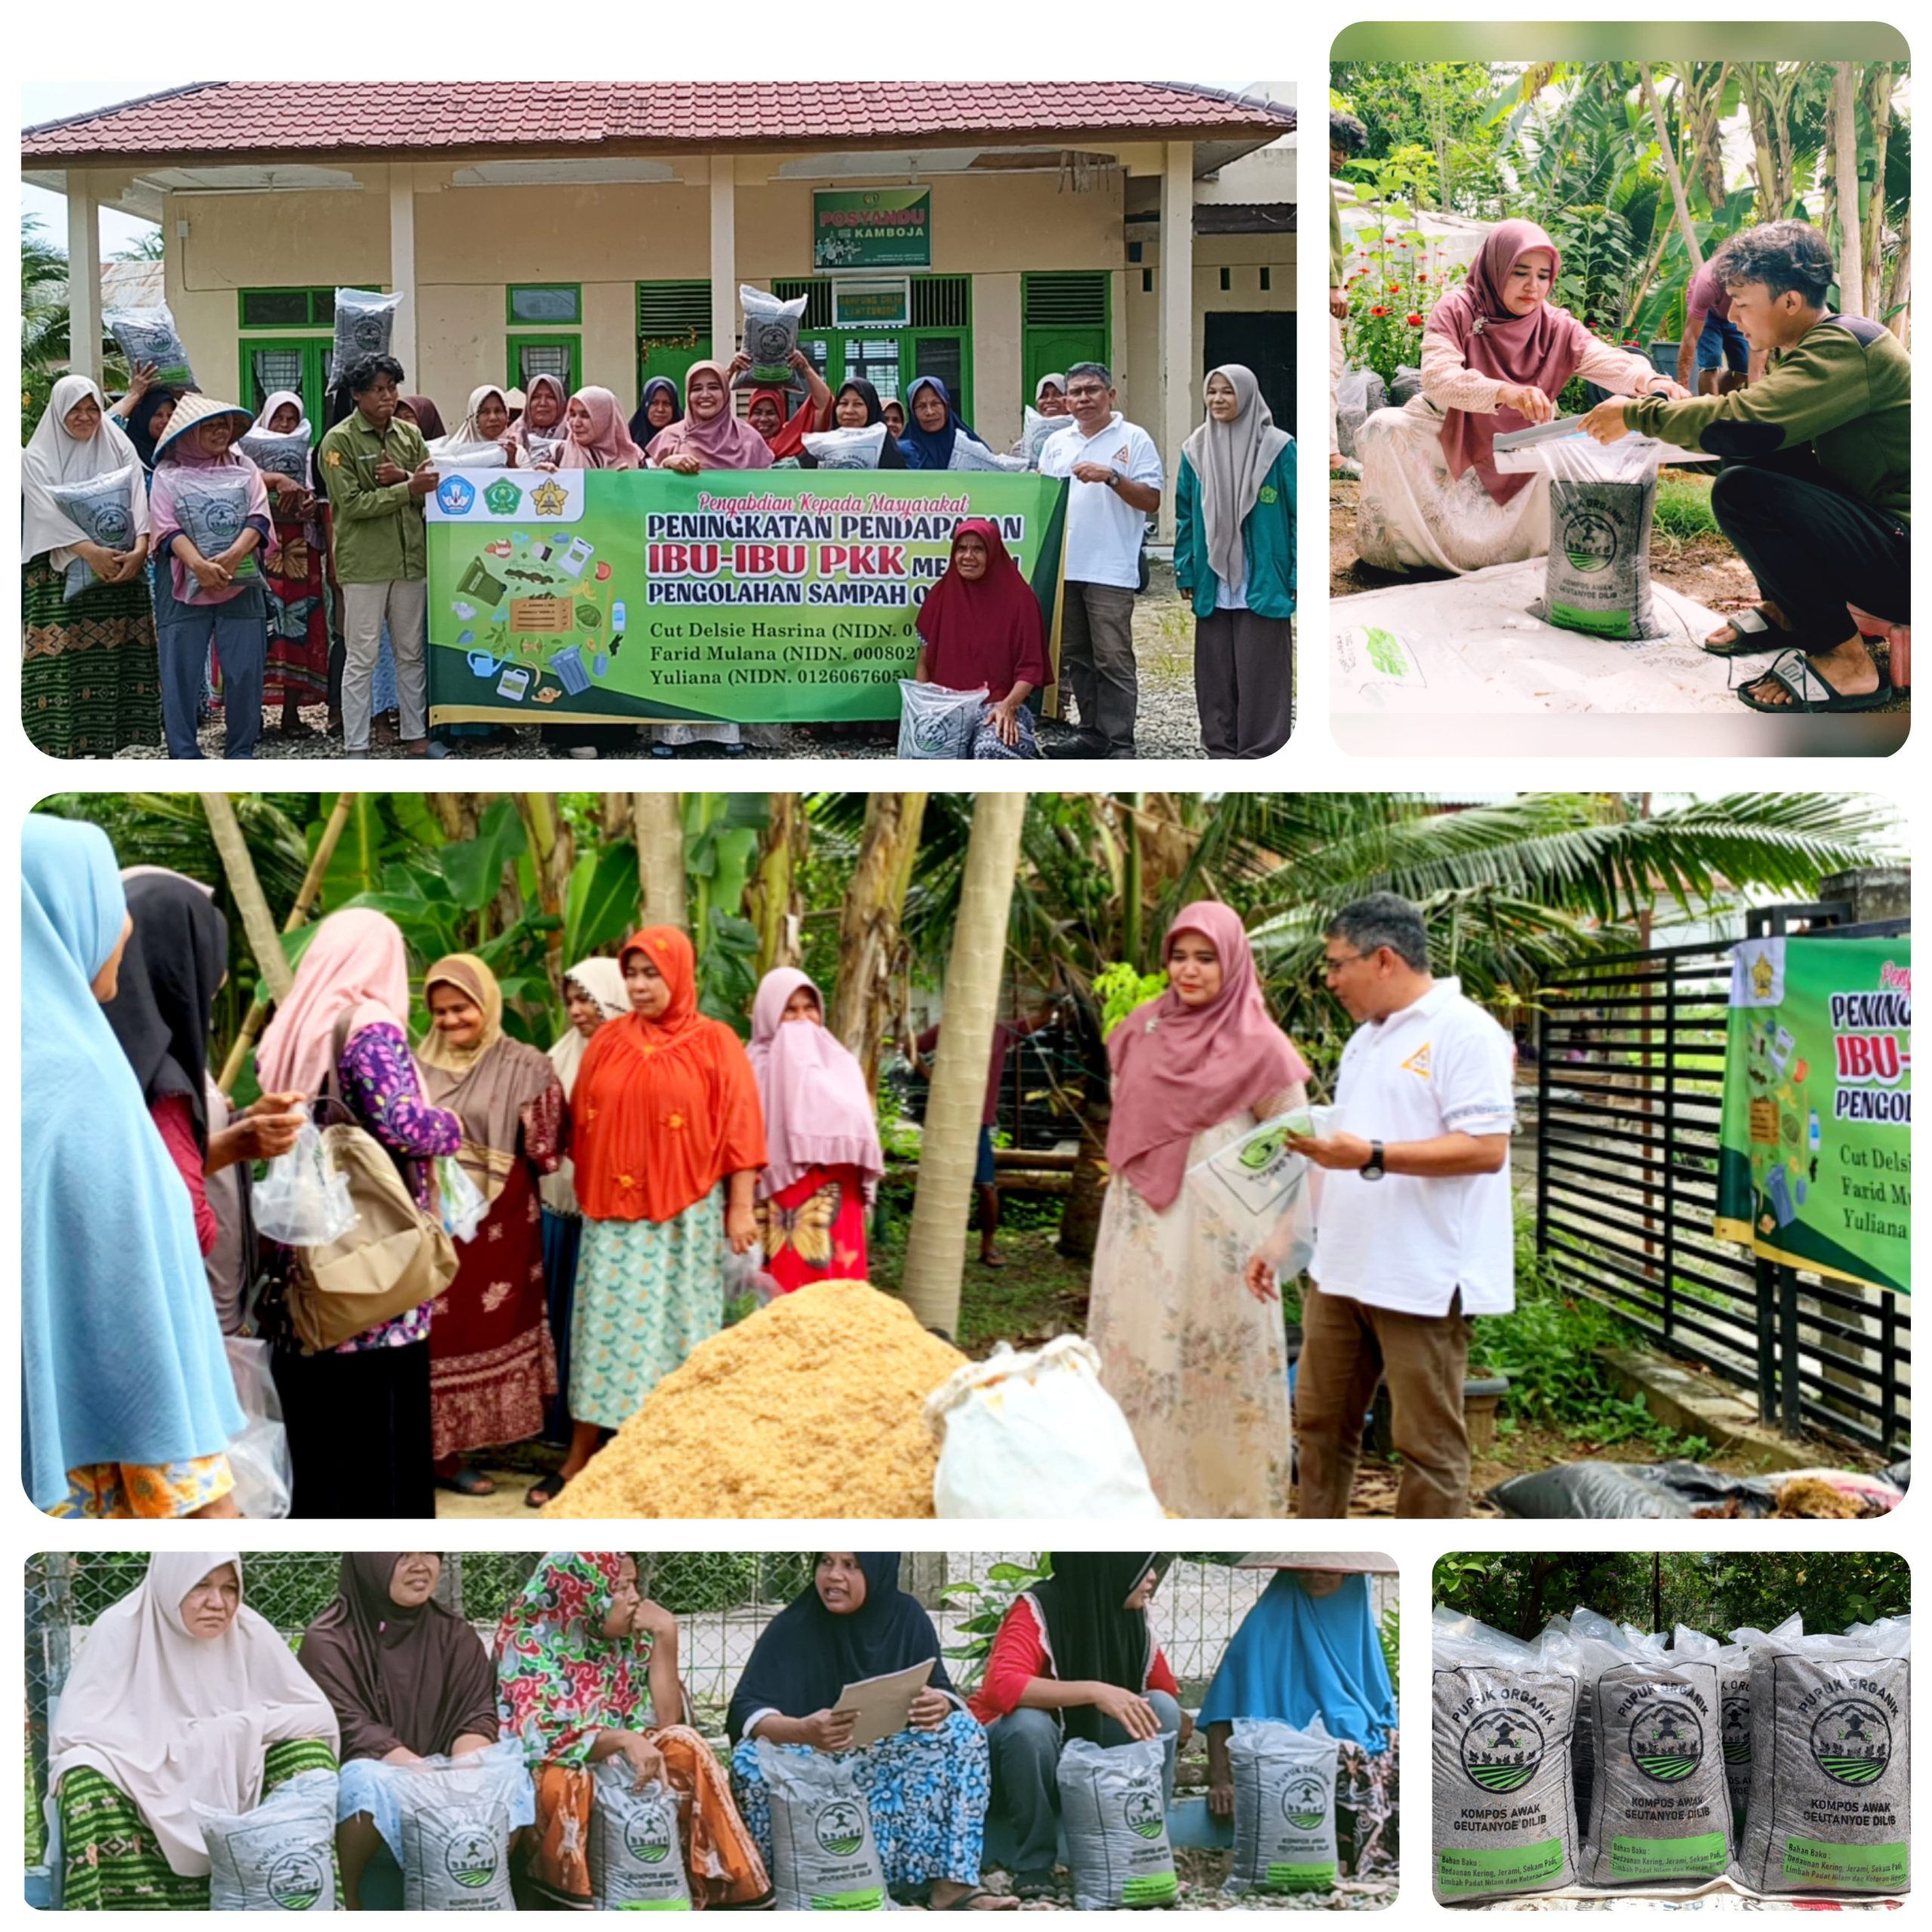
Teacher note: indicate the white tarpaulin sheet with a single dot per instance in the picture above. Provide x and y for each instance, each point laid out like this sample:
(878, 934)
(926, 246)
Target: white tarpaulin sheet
(1469, 644)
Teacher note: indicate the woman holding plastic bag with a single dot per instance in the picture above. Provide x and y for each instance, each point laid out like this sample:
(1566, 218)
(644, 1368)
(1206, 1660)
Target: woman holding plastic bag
(935, 425)
(1195, 1357)
(786, 435)
(407, 1680)
(540, 431)
(492, 1364)
(181, 1696)
(211, 510)
(927, 1787)
(821, 1127)
(981, 632)
(486, 421)
(128, 1404)
(1496, 354)
(587, 1671)
(855, 409)
(90, 683)
(359, 1414)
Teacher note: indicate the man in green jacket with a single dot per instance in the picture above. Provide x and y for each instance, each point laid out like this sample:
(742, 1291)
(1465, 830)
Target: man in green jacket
(376, 471)
(1815, 493)
(1347, 138)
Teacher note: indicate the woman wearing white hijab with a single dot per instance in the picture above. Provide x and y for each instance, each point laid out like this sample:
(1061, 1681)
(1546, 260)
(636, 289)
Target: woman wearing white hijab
(594, 992)
(90, 673)
(1235, 560)
(181, 1696)
(486, 421)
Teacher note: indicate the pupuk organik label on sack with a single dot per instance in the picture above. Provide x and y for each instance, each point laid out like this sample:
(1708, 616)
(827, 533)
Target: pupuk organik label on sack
(1660, 1803)
(1505, 1808)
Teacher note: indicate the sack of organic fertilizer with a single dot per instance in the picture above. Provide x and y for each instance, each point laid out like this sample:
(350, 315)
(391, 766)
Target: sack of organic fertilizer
(211, 505)
(847, 449)
(278, 1857)
(1113, 1806)
(148, 335)
(635, 1864)
(1733, 1668)
(1503, 1716)
(1831, 1794)
(279, 455)
(1600, 1643)
(455, 1830)
(1601, 500)
(934, 722)
(364, 325)
(1660, 1807)
(771, 334)
(1284, 1807)
(102, 509)
(1035, 432)
(823, 1858)
(967, 454)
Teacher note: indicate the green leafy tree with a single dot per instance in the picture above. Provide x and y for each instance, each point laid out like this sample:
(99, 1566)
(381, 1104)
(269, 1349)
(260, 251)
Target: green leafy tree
(1447, 107)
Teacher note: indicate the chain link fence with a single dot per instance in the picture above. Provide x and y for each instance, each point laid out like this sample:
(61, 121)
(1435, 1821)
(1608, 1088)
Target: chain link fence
(722, 1600)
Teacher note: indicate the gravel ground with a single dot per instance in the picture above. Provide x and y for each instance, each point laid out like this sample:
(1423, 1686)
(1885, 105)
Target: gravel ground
(1169, 725)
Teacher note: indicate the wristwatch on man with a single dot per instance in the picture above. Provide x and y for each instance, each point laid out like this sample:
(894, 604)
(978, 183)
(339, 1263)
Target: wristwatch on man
(1374, 1170)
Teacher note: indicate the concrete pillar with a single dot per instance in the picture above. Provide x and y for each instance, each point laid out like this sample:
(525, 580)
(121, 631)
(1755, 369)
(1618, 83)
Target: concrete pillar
(1876, 892)
(1177, 336)
(724, 256)
(402, 271)
(83, 274)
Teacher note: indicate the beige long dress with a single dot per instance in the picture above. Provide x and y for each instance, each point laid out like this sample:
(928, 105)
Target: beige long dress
(1198, 1365)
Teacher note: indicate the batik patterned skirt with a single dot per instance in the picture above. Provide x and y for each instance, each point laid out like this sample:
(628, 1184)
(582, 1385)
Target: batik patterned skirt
(90, 670)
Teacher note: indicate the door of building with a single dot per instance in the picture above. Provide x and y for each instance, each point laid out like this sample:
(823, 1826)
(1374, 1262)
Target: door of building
(1065, 320)
(1262, 341)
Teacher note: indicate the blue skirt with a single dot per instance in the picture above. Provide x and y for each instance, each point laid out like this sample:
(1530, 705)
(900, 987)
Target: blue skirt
(563, 1235)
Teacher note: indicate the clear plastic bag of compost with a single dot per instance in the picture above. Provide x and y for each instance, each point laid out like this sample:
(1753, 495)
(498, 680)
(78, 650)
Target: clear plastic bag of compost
(1358, 394)
(364, 325)
(967, 454)
(303, 1201)
(1406, 387)
(849, 449)
(149, 335)
(258, 1457)
(771, 334)
(1036, 430)
(102, 509)
(211, 505)
(277, 454)
(469, 456)
(542, 450)
(934, 722)
(463, 1202)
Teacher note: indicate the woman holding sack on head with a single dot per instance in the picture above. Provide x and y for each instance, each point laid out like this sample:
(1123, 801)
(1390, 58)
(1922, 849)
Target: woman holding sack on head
(89, 676)
(407, 1680)
(359, 1413)
(1235, 561)
(668, 1145)
(594, 992)
(926, 1787)
(1196, 1358)
(587, 1671)
(180, 1696)
(785, 435)
(980, 624)
(820, 1126)
(1496, 355)
(492, 1364)
(298, 648)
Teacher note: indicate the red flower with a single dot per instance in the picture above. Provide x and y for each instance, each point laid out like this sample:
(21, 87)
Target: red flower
(1378, 311)
(1421, 275)
(1415, 322)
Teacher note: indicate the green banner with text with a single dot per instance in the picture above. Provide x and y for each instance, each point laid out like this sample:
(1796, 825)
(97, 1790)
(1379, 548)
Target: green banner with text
(1815, 1164)
(872, 228)
(754, 596)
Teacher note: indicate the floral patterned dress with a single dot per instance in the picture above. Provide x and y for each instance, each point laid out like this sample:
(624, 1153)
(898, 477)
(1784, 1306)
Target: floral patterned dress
(1198, 1365)
(560, 1681)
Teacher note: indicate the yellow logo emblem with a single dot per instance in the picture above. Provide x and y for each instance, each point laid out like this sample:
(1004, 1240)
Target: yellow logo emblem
(548, 498)
(1417, 1063)
(1763, 975)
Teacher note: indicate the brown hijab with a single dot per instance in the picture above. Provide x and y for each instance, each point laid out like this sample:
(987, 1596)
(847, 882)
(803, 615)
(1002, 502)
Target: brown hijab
(420, 1678)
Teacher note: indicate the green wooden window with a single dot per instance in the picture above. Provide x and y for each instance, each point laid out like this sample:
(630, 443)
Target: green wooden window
(287, 308)
(300, 363)
(559, 355)
(544, 305)
(673, 329)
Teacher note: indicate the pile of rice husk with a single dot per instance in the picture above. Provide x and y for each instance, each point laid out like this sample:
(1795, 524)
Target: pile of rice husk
(810, 1408)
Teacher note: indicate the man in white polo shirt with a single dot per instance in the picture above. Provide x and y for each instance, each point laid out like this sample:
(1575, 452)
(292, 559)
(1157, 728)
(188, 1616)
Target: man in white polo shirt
(1115, 469)
(1414, 1233)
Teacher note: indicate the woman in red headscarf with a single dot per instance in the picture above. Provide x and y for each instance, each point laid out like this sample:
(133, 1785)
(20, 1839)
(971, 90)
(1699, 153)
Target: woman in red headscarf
(668, 1143)
(1196, 1358)
(1495, 356)
(784, 436)
(980, 624)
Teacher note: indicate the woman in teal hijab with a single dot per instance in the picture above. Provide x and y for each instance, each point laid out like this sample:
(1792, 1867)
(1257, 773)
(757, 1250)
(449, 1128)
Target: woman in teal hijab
(127, 1404)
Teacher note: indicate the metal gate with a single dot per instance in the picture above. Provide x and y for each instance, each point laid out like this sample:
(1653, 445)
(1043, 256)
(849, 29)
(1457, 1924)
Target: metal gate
(1630, 1085)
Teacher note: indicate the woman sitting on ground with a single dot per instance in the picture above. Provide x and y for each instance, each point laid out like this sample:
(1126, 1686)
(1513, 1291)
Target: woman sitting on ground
(180, 1696)
(407, 1680)
(587, 1670)
(856, 406)
(1496, 355)
(980, 624)
(1074, 1657)
(765, 412)
(926, 1787)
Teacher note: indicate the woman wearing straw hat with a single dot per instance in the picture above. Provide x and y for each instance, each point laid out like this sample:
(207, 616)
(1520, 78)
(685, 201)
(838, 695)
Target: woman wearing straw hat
(211, 512)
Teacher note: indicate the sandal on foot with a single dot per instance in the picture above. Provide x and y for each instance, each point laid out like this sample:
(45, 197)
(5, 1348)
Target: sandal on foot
(1810, 692)
(468, 1482)
(544, 1490)
(970, 1902)
(1035, 1884)
(1748, 630)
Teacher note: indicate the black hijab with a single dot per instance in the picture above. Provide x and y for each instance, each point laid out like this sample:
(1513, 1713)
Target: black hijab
(807, 1655)
(1089, 1633)
(640, 426)
(890, 456)
(142, 415)
(170, 974)
(418, 1678)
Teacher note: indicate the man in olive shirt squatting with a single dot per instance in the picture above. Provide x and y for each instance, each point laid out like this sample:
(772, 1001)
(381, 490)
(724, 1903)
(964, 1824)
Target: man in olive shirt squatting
(1815, 493)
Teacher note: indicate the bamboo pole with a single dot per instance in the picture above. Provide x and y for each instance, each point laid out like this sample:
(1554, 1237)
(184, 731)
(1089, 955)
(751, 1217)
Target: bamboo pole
(1845, 144)
(1671, 168)
(311, 886)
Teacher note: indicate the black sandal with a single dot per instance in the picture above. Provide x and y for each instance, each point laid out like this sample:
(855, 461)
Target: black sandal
(1809, 692)
(468, 1482)
(544, 1491)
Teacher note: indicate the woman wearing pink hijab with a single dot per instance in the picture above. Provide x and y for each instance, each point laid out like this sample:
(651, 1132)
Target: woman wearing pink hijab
(1496, 355)
(600, 437)
(1197, 1360)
